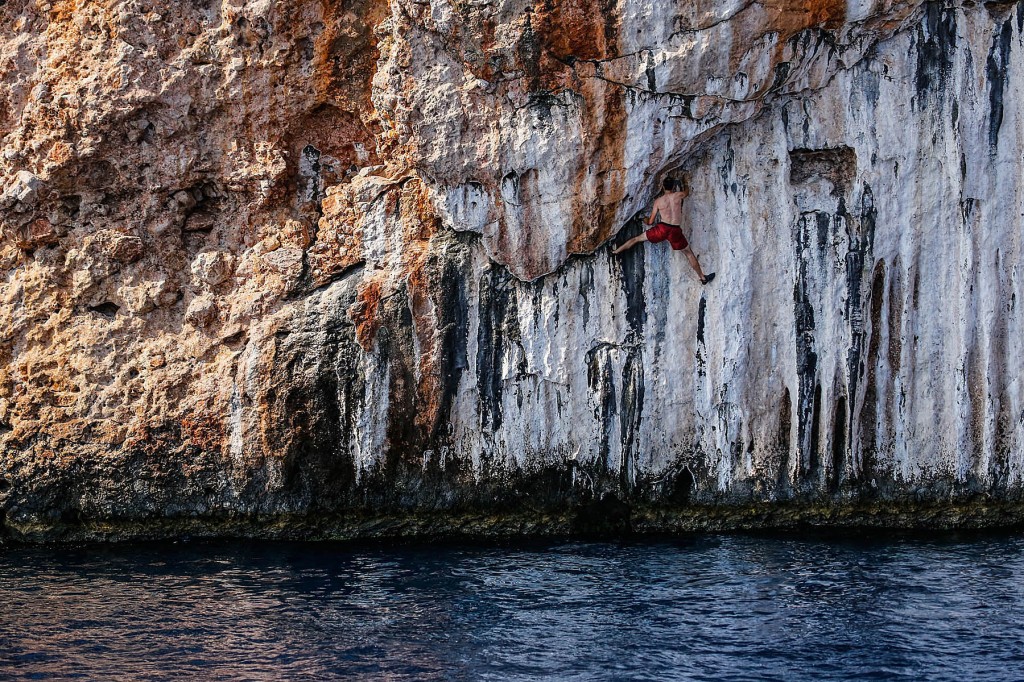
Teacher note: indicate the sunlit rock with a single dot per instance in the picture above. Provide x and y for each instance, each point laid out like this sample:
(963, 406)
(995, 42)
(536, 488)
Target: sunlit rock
(352, 262)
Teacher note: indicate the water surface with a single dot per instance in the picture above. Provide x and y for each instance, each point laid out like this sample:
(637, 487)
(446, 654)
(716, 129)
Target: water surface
(711, 608)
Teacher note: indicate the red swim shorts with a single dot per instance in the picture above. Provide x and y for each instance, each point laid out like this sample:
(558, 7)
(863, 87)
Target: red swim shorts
(672, 233)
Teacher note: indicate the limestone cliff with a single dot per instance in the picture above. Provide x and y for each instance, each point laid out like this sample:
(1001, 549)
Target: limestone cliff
(313, 268)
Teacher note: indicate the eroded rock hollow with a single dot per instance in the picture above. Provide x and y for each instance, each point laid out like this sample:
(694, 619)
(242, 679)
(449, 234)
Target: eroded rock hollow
(329, 269)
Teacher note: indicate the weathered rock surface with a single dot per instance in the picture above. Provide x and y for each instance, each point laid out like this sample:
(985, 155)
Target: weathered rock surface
(319, 269)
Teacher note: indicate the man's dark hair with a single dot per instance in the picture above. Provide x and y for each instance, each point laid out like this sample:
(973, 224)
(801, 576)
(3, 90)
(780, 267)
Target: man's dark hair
(670, 184)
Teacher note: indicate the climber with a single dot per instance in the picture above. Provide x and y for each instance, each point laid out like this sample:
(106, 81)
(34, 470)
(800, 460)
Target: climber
(668, 209)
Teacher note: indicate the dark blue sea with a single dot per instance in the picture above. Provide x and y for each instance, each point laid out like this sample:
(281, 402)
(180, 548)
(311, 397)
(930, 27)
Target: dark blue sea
(708, 608)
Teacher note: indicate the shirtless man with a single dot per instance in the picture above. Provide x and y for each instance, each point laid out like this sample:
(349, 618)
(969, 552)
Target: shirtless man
(668, 209)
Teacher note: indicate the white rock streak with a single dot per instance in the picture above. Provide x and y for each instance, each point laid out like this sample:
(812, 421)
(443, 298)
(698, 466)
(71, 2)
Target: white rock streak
(864, 325)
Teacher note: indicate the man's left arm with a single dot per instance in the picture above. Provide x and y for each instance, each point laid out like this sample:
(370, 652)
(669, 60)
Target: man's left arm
(649, 220)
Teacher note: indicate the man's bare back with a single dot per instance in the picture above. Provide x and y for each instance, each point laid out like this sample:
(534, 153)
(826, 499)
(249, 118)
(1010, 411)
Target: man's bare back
(666, 216)
(668, 208)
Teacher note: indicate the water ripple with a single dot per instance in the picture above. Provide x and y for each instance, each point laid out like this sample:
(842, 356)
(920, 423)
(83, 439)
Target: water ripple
(736, 608)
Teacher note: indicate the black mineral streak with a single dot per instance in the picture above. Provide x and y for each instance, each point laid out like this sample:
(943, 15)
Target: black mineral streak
(725, 171)
(586, 289)
(806, 357)
(860, 252)
(1002, 448)
(782, 70)
(813, 465)
(316, 402)
(602, 391)
(996, 69)
(650, 72)
(895, 321)
(453, 323)
(936, 43)
(632, 273)
(498, 328)
(701, 311)
(813, 237)
(869, 437)
(783, 444)
(839, 430)
(824, 223)
(396, 350)
(632, 411)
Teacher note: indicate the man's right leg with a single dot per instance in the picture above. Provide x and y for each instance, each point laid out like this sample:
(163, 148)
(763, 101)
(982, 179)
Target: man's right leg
(694, 263)
(690, 256)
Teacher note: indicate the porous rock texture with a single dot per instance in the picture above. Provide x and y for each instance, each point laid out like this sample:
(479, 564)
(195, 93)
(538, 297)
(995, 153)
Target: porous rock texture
(322, 269)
